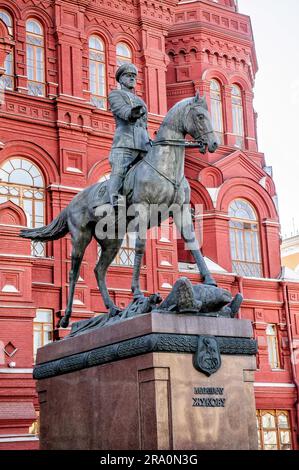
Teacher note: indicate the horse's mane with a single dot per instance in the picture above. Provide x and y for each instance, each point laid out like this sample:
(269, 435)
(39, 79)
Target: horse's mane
(174, 111)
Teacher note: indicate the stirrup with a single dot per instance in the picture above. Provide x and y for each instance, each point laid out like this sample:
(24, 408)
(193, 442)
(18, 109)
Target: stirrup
(118, 201)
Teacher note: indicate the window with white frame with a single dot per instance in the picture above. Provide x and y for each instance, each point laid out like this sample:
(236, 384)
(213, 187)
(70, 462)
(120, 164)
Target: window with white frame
(22, 183)
(35, 58)
(238, 119)
(42, 329)
(216, 108)
(97, 72)
(123, 53)
(244, 239)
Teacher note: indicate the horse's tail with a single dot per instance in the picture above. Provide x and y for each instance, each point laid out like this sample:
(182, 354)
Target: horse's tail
(58, 228)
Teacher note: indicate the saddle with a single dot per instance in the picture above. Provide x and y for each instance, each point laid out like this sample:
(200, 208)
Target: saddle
(100, 194)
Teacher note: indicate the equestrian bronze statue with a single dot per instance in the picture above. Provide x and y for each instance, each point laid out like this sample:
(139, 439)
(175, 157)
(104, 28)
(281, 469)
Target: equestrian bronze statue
(156, 180)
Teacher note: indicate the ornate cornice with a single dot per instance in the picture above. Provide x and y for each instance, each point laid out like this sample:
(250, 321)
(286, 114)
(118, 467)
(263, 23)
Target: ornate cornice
(155, 342)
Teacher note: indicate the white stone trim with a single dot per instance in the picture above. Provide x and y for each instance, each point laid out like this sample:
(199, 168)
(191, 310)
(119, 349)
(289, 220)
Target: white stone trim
(17, 306)
(60, 186)
(15, 371)
(18, 438)
(10, 255)
(274, 384)
(165, 263)
(258, 301)
(9, 288)
(166, 285)
(187, 1)
(213, 192)
(71, 96)
(73, 170)
(219, 216)
(161, 115)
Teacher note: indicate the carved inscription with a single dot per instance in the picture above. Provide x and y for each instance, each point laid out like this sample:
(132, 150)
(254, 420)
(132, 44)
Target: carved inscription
(214, 399)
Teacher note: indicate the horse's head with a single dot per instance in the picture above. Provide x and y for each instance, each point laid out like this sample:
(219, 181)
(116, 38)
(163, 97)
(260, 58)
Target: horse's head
(198, 125)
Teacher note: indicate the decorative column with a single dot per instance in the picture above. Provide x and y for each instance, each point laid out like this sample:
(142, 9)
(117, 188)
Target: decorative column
(70, 24)
(271, 231)
(5, 45)
(216, 244)
(156, 19)
(250, 135)
(20, 58)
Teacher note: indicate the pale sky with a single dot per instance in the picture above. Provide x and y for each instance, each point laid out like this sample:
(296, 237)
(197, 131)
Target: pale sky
(276, 31)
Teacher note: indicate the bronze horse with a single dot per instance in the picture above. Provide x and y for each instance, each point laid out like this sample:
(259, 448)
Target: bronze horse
(158, 179)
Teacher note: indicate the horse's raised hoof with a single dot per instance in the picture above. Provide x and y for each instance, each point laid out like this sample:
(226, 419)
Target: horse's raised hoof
(64, 322)
(236, 304)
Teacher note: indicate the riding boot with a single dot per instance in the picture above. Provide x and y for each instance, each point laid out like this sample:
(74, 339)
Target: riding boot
(114, 186)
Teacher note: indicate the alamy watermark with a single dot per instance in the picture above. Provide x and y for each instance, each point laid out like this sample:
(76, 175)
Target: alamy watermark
(175, 222)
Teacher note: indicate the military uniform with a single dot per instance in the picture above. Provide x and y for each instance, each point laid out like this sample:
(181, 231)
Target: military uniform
(131, 140)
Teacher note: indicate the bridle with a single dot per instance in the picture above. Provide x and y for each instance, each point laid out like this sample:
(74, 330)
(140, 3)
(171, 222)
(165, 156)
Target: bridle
(198, 142)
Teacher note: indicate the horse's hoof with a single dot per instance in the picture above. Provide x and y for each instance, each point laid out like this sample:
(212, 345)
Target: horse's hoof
(236, 304)
(64, 322)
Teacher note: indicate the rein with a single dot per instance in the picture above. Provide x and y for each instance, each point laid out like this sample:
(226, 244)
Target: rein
(178, 143)
(197, 143)
(174, 183)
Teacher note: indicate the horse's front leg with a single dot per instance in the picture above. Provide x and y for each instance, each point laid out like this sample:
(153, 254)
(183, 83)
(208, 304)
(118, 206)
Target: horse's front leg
(141, 227)
(140, 245)
(183, 221)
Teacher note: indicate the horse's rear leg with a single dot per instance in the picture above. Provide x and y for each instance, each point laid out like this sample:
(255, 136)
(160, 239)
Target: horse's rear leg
(109, 250)
(80, 240)
(183, 221)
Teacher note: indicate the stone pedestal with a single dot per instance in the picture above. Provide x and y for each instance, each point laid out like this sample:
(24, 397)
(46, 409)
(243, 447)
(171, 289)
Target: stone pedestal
(133, 386)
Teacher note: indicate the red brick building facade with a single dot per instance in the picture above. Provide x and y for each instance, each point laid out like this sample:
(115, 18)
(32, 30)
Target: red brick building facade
(55, 137)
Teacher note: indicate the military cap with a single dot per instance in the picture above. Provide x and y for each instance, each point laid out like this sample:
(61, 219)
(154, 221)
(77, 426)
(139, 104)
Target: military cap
(124, 68)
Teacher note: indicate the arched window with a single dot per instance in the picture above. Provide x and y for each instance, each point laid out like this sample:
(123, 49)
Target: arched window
(244, 239)
(22, 183)
(97, 72)
(216, 108)
(35, 58)
(237, 110)
(123, 53)
(7, 80)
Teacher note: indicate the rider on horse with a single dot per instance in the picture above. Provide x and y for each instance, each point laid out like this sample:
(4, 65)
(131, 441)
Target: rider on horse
(131, 141)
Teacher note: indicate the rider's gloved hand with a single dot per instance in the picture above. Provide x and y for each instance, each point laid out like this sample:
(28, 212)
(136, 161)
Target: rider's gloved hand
(137, 112)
